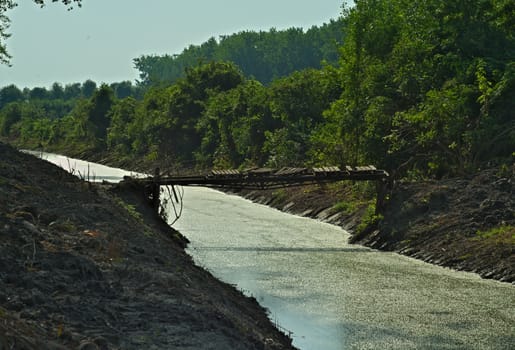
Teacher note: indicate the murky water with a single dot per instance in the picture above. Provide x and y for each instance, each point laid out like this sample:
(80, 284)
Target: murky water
(332, 295)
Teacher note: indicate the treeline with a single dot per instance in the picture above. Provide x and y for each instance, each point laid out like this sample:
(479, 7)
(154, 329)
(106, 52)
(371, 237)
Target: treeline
(423, 88)
(264, 55)
(213, 116)
(30, 116)
(12, 93)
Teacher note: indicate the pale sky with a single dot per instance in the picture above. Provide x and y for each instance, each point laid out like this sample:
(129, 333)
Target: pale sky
(100, 40)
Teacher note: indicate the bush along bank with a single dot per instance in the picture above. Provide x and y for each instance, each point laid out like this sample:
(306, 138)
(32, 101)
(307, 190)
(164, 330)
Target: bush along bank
(465, 223)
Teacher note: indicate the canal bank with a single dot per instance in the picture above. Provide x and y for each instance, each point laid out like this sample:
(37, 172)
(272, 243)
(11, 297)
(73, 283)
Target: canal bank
(85, 267)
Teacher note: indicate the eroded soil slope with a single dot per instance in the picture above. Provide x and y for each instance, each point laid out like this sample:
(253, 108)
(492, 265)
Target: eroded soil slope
(467, 223)
(87, 267)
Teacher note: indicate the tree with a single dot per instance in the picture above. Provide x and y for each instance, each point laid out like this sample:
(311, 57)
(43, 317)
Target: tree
(57, 91)
(123, 89)
(10, 93)
(88, 88)
(38, 93)
(122, 115)
(9, 115)
(101, 103)
(298, 102)
(6, 5)
(4, 25)
(72, 91)
(232, 126)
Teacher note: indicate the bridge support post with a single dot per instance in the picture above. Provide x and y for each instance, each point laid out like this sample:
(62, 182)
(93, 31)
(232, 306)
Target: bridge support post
(156, 190)
(382, 190)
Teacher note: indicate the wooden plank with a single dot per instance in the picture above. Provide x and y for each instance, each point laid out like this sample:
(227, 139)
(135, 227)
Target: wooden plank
(261, 171)
(225, 173)
(327, 169)
(282, 171)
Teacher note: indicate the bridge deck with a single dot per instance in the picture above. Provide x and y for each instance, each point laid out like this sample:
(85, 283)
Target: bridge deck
(265, 178)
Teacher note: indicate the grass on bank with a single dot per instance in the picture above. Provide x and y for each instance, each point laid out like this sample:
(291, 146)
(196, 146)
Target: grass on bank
(500, 234)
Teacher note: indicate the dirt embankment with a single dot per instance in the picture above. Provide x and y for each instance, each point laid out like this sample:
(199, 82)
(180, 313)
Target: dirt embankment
(87, 267)
(450, 222)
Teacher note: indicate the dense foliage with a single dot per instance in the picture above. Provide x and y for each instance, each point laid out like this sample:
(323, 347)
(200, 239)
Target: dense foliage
(423, 88)
(264, 55)
(428, 85)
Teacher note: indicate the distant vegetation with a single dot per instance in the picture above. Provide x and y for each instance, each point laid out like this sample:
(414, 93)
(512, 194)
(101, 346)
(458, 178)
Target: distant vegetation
(264, 56)
(420, 88)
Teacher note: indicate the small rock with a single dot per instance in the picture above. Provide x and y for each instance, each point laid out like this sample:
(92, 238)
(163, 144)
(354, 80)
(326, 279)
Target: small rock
(138, 250)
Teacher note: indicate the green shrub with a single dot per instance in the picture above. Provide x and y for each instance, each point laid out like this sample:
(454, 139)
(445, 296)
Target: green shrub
(346, 207)
(370, 218)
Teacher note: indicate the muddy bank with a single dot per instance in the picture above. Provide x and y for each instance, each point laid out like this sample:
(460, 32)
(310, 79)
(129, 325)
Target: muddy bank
(449, 222)
(92, 267)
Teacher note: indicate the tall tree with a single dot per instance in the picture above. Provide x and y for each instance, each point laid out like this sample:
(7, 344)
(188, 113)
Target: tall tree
(101, 103)
(57, 91)
(88, 88)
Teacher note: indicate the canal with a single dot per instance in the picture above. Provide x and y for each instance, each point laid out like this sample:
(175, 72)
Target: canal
(330, 294)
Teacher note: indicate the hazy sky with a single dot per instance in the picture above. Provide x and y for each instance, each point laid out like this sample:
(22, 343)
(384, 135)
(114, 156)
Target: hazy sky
(100, 40)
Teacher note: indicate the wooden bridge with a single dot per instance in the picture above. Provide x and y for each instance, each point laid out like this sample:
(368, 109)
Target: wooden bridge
(266, 178)
(261, 178)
